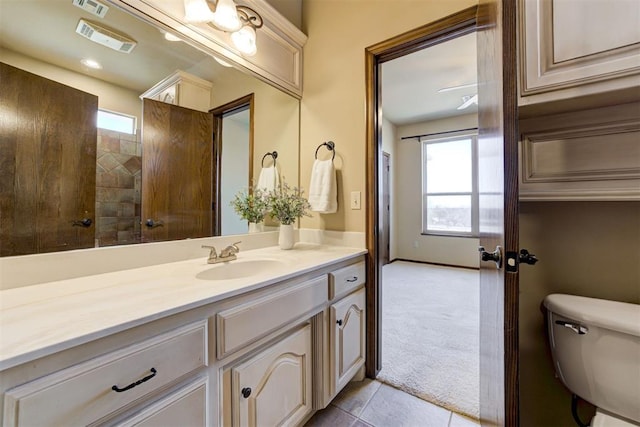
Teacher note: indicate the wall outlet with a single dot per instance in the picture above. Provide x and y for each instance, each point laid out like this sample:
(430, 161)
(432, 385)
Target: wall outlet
(355, 200)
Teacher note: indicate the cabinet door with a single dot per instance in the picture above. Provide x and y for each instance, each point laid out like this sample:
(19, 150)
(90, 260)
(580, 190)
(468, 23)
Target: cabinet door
(567, 44)
(348, 338)
(274, 387)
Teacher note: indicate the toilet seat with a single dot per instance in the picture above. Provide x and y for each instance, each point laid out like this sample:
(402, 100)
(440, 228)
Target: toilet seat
(605, 420)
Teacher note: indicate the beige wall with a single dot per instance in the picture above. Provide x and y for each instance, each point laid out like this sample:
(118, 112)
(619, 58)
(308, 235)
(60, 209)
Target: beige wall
(276, 119)
(110, 97)
(584, 248)
(333, 101)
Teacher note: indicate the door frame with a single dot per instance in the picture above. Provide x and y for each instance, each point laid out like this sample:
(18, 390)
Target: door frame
(505, 400)
(218, 114)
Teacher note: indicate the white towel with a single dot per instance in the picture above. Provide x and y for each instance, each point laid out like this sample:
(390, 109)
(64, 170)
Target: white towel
(323, 189)
(269, 179)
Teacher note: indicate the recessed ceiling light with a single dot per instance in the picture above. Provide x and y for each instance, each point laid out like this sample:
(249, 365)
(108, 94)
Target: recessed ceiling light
(91, 63)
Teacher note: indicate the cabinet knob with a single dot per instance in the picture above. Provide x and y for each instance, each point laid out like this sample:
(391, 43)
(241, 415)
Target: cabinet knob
(246, 392)
(339, 322)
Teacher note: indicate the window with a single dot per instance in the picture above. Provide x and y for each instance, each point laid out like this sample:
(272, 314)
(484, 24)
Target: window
(116, 121)
(449, 185)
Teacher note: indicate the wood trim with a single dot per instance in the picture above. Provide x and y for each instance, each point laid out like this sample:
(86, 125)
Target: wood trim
(444, 29)
(218, 113)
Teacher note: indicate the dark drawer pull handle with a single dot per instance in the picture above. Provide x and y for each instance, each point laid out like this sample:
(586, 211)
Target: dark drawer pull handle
(339, 322)
(246, 392)
(353, 279)
(132, 385)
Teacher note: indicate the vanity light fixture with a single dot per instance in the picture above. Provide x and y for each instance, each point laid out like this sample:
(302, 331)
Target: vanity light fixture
(240, 21)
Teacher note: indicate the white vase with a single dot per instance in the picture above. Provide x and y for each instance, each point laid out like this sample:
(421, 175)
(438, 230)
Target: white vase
(285, 237)
(256, 227)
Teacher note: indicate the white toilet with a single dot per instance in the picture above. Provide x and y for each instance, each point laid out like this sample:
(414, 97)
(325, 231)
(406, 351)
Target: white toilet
(596, 353)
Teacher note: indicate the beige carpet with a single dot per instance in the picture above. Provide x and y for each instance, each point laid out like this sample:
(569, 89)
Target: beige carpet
(430, 334)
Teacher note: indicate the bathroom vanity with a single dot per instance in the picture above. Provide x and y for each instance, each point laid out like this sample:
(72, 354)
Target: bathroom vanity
(266, 339)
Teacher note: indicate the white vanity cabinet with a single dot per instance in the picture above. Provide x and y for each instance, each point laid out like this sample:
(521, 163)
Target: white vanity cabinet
(347, 324)
(573, 48)
(103, 387)
(264, 354)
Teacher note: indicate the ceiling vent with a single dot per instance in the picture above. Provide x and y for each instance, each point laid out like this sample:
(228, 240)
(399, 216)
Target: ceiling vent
(92, 6)
(105, 37)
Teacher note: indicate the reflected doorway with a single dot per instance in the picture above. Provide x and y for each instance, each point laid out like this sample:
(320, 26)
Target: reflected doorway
(233, 137)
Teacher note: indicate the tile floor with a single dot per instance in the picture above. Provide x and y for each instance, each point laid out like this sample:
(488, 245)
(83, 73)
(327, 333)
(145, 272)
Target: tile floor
(372, 403)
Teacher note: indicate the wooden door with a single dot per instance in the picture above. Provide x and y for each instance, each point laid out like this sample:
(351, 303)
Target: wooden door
(498, 206)
(176, 172)
(48, 139)
(274, 387)
(347, 338)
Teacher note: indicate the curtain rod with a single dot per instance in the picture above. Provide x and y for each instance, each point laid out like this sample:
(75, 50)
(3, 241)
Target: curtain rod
(437, 133)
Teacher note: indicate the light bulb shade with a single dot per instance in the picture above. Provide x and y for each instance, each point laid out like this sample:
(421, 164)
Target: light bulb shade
(197, 11)
(245, 40)
(226, 16)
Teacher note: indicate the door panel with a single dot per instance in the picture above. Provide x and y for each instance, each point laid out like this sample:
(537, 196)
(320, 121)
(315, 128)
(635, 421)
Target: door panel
(48, 139)
(498, 207)
(177, 172)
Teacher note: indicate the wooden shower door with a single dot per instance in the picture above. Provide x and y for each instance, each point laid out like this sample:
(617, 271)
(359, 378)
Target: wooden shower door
(176, 172)
(48, 139)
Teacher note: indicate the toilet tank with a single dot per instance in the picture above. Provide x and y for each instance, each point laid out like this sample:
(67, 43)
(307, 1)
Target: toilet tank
(596, 350)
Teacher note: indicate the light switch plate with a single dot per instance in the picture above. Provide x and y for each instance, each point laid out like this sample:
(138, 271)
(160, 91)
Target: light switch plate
(355, 200)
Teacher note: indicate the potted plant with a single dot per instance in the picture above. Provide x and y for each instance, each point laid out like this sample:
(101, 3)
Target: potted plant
(251, 205)
(287, 204)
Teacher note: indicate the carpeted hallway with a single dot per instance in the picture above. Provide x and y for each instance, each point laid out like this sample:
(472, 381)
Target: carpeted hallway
(430, 333)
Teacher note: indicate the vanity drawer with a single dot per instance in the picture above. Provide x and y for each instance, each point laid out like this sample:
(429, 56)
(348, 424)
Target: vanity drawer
(249, 321)
(346, 279)
(82, 394)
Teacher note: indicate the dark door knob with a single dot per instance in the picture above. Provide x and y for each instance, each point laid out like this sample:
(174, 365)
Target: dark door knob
(84, 222)
(339, 322)
(527, 258)
(153, 224)
(246, 392)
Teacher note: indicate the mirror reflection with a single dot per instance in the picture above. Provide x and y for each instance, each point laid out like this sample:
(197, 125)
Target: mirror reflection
(67, 183)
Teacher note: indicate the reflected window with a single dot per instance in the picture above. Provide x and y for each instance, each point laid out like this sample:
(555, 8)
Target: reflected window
(116, 121)
(449, 187)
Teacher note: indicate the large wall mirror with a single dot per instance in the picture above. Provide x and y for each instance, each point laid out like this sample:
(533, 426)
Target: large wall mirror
(43, 182)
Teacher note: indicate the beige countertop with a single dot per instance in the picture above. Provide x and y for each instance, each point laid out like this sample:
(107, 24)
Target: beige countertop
(42, 319)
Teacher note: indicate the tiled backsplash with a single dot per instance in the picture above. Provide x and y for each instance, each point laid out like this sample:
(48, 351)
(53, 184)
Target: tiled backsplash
(118, 181)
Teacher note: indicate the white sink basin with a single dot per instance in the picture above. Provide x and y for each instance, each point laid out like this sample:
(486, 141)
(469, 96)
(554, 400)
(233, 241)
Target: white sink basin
(239, 269)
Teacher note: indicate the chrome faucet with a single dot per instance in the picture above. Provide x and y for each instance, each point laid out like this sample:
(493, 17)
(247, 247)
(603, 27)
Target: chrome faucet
(227, 254)
(213, 255)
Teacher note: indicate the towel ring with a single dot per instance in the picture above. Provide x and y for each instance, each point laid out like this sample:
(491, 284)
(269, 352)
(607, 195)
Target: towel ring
(330, 146)
(273, 154)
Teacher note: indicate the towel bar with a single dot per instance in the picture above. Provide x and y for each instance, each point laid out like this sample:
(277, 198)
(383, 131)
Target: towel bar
(330, 146)
(273, 154)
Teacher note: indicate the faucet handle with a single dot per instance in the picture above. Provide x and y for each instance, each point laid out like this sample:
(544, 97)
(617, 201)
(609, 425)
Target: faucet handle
(212, 252)
(235, 245)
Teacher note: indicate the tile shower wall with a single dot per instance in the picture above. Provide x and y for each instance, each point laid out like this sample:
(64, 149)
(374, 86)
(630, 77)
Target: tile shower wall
(118, 181)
